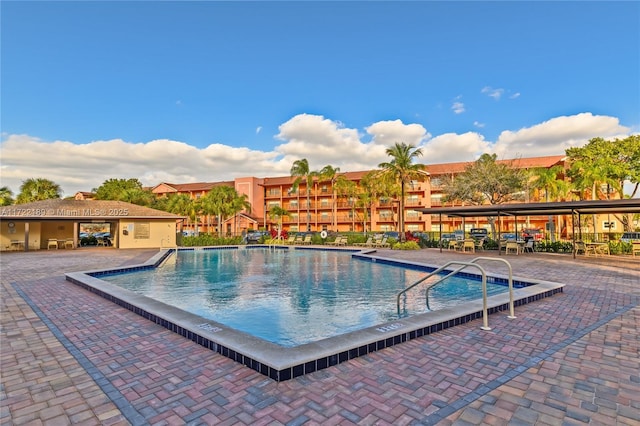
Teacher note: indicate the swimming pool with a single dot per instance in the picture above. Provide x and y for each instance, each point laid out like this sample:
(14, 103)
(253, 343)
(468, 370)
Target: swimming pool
(284, 363)
(293, 297)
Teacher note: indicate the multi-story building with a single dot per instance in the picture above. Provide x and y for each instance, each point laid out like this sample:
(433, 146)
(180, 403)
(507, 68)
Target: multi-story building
(320, 207)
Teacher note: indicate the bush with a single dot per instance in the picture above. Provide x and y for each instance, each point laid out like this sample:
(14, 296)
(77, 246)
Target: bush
(407, 245)
(210, 240)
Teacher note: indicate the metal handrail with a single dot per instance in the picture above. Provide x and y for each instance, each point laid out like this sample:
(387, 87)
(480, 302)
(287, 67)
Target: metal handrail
(484, 285)
(485, 316)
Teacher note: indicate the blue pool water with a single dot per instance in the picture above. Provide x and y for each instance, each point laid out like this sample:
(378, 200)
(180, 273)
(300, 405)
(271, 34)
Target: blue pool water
(291, 297)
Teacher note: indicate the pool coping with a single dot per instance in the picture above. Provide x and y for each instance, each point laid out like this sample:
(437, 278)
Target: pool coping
(284, 363)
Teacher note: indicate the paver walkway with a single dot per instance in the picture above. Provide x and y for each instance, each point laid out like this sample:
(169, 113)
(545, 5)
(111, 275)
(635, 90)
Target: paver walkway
(71, 357)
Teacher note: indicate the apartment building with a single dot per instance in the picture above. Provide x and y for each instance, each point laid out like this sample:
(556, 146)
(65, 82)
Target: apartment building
(320, 207)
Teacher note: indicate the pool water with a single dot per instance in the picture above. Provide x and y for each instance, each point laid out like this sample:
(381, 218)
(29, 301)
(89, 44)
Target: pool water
(292, 297)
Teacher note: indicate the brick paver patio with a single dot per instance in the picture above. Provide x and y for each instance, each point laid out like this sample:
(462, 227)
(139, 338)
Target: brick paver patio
(71, 357)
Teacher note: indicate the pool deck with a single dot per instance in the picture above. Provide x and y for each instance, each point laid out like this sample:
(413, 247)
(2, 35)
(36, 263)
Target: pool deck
(70, 357)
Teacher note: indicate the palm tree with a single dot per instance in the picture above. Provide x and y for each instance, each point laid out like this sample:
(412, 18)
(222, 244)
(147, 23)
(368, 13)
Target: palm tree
(329, 174)
(348, 189)
(239, 203)
(180, 204)
(403, 171)
(37, 190)
(219, 202)
(6, 196)
(300, 170)
(276, 213)
(547, 180)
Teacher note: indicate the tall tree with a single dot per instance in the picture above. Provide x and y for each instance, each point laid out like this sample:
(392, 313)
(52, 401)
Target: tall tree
(348, 189)
(277, 213)
(183, 205)
(329, 174)
(128, 190)
(551, 181)
(224, 201)
(486, 181)
(301, 171)
(403, 170)
(6, 196)
(38, 189)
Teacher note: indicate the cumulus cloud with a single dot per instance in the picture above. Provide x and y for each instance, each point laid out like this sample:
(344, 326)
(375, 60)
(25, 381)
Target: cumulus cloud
(82, 167)
(478, 124)
(452, 147)
(554, 136)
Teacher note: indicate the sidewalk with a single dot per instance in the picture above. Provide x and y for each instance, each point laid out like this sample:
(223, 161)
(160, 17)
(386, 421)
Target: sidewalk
(71, 357)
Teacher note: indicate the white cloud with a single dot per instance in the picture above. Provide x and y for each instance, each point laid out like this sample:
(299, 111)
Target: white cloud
(554, 136)
(493, 93)
(478, 124)
(452, 147)
(457, 107)
(258, 129)
(515, 95)
(82, 167)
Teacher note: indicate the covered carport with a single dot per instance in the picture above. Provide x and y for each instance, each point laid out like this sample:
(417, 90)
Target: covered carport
(565, 208)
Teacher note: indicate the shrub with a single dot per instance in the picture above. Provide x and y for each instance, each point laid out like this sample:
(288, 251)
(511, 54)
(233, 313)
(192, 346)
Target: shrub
(407, 245)
(210, 240)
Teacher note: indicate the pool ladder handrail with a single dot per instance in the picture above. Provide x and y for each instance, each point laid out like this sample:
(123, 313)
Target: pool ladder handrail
(485, 319)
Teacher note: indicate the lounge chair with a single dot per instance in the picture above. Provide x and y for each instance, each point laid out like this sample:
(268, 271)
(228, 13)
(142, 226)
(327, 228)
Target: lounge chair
(382, 243)
(299, 239)
(290, 240)
(339, 241)
(307, 240)
(368, 243)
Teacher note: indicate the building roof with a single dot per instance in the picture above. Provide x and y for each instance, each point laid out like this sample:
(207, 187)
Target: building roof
(521, 163)
(81, 210)
(194, 186)
(630, 205)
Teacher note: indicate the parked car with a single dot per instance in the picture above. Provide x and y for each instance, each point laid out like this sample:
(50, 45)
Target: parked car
(628, 237)
(256, 236)
(479, 233)
(534, 234)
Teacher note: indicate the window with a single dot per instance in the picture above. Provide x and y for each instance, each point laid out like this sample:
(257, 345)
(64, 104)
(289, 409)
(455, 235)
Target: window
(271, 204)
(324, 189)
(609, 225)
(386, 214)
(293, 204)
(413, 199)
(324, 202)
(413, 215)
(273, 192)
(413, 228)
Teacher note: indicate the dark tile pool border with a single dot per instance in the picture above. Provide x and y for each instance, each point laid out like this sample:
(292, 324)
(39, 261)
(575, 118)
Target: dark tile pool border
(281, 363)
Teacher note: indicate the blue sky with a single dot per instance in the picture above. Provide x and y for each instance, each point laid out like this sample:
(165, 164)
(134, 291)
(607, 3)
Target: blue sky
(206, 91)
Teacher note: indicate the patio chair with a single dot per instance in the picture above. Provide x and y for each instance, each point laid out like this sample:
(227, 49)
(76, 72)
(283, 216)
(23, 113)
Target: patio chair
(528, 247)
(453, 245)
(307, 240)
(512, 247)
(635, 248)
(479, 244)
(51, 243)
(469, 245)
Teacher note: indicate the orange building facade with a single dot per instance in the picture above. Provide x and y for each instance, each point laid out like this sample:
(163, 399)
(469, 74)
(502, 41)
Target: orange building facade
(329, 211)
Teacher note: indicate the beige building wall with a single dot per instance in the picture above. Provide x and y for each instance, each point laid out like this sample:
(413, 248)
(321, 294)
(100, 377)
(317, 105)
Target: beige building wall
(142, 233)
